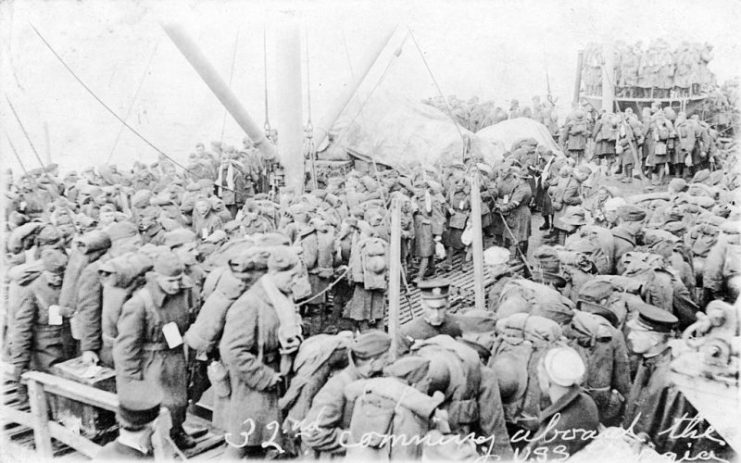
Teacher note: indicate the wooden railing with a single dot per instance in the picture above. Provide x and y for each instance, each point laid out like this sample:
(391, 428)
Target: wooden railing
(44, 430)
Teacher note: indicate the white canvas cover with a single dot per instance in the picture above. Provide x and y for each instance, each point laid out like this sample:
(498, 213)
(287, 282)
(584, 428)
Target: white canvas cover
(511, 131)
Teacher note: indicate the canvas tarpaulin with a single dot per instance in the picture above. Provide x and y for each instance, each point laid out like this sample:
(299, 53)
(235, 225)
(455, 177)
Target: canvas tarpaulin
(507, 133)
(399, 132)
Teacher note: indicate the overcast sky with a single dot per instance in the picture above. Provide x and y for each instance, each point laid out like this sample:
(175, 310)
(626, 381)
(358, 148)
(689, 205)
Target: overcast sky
(495, 50)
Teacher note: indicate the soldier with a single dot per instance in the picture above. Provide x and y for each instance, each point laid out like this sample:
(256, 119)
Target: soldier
(138, 408)
(261, 333)
(149, 345)
(150, 227)
(627, 232)
(330, 414)
(429, 222)
(574, 135)
(434, 300)
(605, 136)
(495, 260)
(37, 330)
(571, 413)
(515, 209)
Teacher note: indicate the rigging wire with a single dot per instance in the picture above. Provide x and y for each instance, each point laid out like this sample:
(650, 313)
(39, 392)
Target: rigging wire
(265, 69)
(231, 74)
(25, 134)
(309, 146)
(439, 91)
(113, 113)
(133, 101)
(17, 156)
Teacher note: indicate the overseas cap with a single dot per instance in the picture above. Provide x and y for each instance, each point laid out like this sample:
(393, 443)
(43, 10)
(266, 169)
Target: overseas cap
(564, 366)
(138, 403)
(166, 263)
(653, 318)
(179, 237)
(54, 261)
(631, 213)
(282, 258)
(370, 344)
(121, 230)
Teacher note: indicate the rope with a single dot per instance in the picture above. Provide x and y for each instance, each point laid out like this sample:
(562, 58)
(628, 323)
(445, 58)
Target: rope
(439, 91)
(231, 74)
(25, 134)
(310, 148)
(133, 100)
(516, 243)
(375, 87)
(48, 45)
(265, 69)
(331, 285)
(17, 156)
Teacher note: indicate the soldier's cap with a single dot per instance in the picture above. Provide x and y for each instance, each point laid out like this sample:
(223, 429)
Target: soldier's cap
(701, 176)
(370, 344)
(564, 366)
(677, 185)
(271, 239)
(583, 169)
(496, 255)
(282, 258)
(192, 186)
(167, 264)
(613, 204)
(92, 241)
(138, 403)
(121, 230)
(612, 191)
(216, 237)
(675, 228)
(485, 168)
(597, 309)
(231, 226)
(141, 198)
(652, 318)
(549, 278)
(53, 260)
(48, 235)
(476, 321)
(411, 369)
(161, 200)
(458, 166)
(434, 289)
(253, 259)
(631, 213)
(179, 237)
(574, 216)
(298, 208)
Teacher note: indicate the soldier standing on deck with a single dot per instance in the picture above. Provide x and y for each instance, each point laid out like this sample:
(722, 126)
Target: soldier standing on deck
(149, 345)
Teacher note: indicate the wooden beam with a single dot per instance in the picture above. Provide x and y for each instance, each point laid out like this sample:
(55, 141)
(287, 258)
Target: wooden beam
(577, 81)
(477, 244)
(74, 390)
(13, 415)
(76, 441)
(40, 413)
(395, 274)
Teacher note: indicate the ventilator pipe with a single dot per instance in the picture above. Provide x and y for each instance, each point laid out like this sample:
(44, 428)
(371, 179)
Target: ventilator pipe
(211, 77)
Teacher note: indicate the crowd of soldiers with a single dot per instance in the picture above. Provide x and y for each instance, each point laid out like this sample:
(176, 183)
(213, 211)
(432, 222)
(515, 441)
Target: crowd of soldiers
(276, 299)
(659, 143)
(474, 115)
(656, 72)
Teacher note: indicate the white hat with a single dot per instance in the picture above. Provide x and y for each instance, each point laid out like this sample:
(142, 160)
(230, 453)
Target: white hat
(496, 256)
(564, 366)
(612, 204)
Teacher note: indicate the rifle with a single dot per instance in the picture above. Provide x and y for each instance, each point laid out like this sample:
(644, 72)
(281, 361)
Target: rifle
(550, 98)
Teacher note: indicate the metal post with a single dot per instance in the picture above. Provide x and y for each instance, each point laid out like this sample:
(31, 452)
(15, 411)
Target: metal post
(577, 82)
(395, 274)
(608, 77)
(288, 101)
(477, 244)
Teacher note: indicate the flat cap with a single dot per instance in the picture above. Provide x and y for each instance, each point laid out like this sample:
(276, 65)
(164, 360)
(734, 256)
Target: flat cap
(168, 264)
(434, 289)
(95, 240)
(411, 369)
(53, 260)
(370, 344)
(254, 258)
(138, 403)
(631, 213)
(653, 318)
(48, 235)
(574, 216)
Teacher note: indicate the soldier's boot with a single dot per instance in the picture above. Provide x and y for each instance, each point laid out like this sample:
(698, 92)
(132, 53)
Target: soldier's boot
(181, 439)
(546, 222)
(422, 272)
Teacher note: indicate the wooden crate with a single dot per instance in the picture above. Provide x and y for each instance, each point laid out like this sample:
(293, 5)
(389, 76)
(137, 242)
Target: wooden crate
(91, 422)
